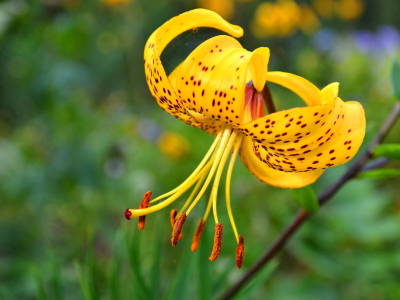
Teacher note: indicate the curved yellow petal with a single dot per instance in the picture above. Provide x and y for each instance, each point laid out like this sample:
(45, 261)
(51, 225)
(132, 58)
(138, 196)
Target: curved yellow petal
(302, 87)
(156, 78)
(309, 138)
(212, 79)
(329, 92)
(193, 19)
(259, 67)
(273, 177)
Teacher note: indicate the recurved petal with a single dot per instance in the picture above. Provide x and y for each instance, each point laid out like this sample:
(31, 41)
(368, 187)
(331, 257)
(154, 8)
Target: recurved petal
(271, 176)
(212, 79)
(309, 138)
(259, 67)
(329, 92)
(193, 19)
(299, 85)
(156, 78)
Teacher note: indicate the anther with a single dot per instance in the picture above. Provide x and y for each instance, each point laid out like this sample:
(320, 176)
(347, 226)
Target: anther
(144, 204)
(217, 242)
(172, 216)
(197, 234)
(240, 252)
(176, 232)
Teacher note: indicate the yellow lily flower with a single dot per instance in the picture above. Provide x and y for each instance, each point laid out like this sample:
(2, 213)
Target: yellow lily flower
(218, 88)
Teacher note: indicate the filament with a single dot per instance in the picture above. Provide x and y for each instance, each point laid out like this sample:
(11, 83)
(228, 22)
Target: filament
(228, 185)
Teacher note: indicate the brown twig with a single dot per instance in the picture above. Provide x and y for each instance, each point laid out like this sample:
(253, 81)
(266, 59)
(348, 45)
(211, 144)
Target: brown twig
(324, 197)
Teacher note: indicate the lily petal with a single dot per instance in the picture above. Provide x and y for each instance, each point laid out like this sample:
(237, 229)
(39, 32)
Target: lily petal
(259, 67)
(156, 78)
(329, 92)
(299, 85)
(212, 79)
(308, 138)
(273, 177)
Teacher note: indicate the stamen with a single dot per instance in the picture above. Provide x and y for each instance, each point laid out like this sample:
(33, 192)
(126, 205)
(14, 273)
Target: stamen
(176, 232)
(214, 191)
(197, 235)
(172, 217)
(240, 252)
(197, 170)
(195, 190)
(228, 185)
(208, 209)
(218, 155)
(144, 204)
(217, 242)
(200, 170)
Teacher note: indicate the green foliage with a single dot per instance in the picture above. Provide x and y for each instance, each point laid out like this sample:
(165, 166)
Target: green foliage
(380, 174)
(391, 151)
(250, 290)
(306, 198)
(396, 79)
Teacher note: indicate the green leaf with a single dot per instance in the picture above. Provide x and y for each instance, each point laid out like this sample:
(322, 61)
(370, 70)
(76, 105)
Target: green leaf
(40, 292)
(391, 151)
(115, 267)
(84, 281)
(133, 243)
(380, 174)
(396, 79)
(306, 198)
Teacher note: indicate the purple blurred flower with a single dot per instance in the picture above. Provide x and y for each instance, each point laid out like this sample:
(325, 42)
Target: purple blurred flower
(386, 40)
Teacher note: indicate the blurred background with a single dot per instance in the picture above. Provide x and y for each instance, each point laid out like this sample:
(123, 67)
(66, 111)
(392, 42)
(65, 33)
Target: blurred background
(81, 139)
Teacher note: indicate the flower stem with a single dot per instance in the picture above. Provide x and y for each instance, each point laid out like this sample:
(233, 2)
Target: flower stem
(324, 197)
(267, 96)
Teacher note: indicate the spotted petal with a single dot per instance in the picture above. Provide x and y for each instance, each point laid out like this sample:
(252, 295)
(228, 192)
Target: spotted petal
(271, 176)
(212, 79)
(309, 138)
(156, 78)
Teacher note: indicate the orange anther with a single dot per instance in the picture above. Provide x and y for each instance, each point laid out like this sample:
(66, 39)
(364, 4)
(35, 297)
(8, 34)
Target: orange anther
(144, 204)
(197, 234)
(176, 232)
(172, 217)
(217, 242)
(240, 252)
